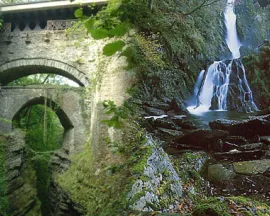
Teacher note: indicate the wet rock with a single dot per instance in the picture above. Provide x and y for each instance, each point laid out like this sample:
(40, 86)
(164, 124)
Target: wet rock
(154, 111)
(157, 105)
(207, 139)
(236, 155)
(226, 146)
(169, 132)
(219, 173)
(252, 146)
(238, 140)
(182, 122)
(265, 139)
(175, 148)
(163, 123)
(254, 126)
(252, 167)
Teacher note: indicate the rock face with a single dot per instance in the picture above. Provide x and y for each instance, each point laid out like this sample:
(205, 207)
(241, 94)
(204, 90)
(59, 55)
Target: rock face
(247, 128)
(22, 181)
(21, 178)
(61, 204)
(158, 185)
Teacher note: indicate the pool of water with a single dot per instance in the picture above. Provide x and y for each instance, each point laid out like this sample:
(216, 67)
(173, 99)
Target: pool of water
(202, 121)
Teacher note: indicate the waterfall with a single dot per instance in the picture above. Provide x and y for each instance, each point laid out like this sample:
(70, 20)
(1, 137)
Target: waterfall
(231, 37)
(198, 83)
(224, 85)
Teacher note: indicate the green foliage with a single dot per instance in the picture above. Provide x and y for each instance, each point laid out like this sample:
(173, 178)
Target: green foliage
(212, 206)
(118, 113)
(37, 79)
(258, 72)
(226, 206)
(78, 13)
(44, 134)
(101, 186)
(42, 139)
(4, 204)
(133, 56)
(113, 47)
(100, 33)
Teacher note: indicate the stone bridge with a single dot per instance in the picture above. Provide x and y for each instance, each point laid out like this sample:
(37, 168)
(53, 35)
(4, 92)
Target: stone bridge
(46, 41)
(47, 48)
(68, 104)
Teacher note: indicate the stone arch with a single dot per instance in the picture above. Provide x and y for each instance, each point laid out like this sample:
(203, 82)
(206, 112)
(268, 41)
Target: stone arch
(15, 69)
(68, 136)
(62, 115)
(69, 110)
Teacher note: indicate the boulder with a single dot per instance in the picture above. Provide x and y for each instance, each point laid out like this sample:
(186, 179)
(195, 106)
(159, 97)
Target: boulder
(207, 139)
(182, 122)
(237, 140)
(219, 173)
(254, 126)
(163, 123)
(265, 139)
(252, 146)
(168, 132)
(236, 155)
(252, 167)
(157, 105)
(154, 111)
(174, 148)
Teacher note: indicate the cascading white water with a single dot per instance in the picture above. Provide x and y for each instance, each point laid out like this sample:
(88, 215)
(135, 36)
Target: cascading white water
(231, 37)
(198, 83)
(215, 86)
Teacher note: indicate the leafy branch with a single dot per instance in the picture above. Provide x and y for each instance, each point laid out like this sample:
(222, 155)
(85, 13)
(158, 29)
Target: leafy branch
(118, 113)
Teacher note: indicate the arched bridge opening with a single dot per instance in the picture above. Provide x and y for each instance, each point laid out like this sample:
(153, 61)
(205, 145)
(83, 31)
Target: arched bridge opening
(63, 117)
(16, 69)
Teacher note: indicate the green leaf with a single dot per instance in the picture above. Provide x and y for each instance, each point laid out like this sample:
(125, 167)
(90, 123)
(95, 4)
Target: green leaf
(99, 33)
(119, 30)
(89, 24)
(78, 13)
(112, 48)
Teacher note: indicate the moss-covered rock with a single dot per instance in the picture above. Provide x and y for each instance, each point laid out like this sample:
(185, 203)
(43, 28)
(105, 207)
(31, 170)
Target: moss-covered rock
(226, 206)
(251, 167)
(138, 175)
(219, 173)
